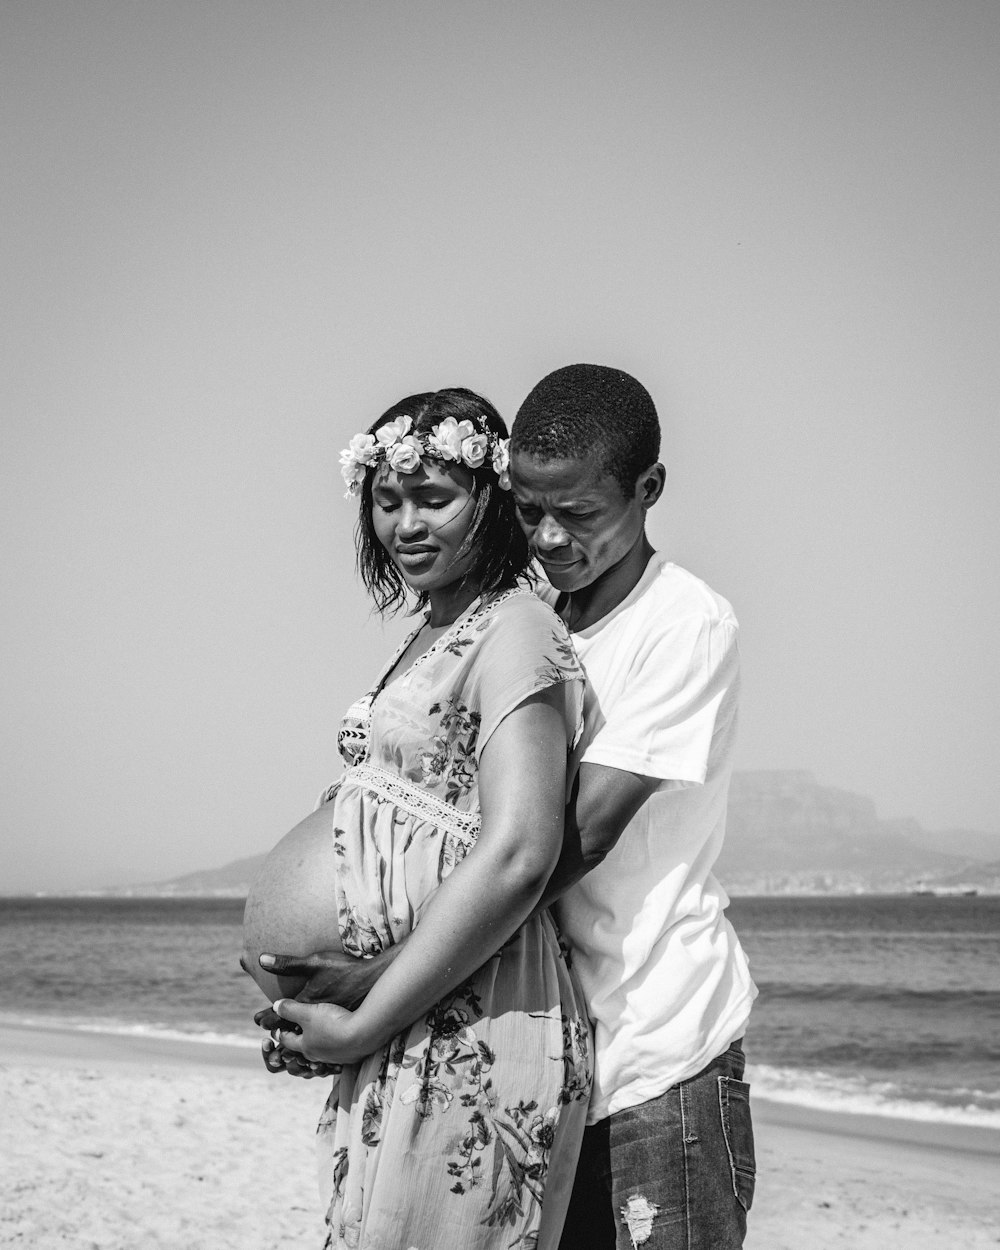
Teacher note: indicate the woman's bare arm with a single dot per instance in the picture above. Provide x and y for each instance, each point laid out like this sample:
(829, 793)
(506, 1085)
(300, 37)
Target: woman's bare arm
(486, 898)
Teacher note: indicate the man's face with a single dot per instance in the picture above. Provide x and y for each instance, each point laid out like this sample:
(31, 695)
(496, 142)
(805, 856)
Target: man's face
(578, 522)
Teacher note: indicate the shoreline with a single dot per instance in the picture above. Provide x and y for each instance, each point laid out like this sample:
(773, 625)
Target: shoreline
(930, 1134)
(110, 1048)
(125, 1139)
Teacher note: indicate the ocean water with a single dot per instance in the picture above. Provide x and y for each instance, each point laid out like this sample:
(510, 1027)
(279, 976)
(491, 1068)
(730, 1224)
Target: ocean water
(877, 1004)
(884, 1005)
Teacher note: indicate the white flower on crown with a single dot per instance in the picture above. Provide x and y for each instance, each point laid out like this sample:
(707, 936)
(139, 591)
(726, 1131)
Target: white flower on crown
(355, 460)
(404, 456)
(394, 431)
(445, 440)
(501, 462)
(362, 448)
(353, 472)
(474, 450)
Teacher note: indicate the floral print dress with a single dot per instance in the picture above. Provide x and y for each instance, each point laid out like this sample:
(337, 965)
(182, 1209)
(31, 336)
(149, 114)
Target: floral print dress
(463, 1132)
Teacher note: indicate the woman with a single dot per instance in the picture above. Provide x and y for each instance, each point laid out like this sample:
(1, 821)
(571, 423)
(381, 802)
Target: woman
(457, 1117)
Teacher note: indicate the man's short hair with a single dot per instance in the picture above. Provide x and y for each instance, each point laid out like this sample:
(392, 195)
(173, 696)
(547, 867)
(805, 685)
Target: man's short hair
(585, 411)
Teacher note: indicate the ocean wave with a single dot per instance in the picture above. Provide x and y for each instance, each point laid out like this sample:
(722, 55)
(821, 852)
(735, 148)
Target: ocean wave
(856, 1096)
(859, 992)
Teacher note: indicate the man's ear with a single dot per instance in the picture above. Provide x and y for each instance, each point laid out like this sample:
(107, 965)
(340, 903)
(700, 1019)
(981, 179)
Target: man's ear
(650, 484)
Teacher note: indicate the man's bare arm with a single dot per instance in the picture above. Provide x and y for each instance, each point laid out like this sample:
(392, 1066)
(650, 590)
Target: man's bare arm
(602, 802)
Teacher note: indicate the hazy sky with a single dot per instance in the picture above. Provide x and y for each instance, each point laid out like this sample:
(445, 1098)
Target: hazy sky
(233, 233)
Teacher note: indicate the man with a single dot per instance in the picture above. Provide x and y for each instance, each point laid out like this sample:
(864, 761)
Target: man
(668, 1154)
(668, 1158)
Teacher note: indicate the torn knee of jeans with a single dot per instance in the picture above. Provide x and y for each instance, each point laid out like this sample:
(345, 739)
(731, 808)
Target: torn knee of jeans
(638, 1215)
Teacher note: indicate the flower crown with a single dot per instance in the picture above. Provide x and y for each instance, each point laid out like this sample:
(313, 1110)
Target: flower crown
(457, 441)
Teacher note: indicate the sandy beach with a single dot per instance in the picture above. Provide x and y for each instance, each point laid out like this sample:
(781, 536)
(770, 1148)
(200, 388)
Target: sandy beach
(114, 1143)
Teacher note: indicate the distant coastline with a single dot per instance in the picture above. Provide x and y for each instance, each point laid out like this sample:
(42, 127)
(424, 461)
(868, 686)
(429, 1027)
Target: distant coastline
(787, 835)
(239, 895)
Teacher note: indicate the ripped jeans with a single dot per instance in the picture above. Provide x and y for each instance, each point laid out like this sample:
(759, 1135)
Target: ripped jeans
(675, 1173)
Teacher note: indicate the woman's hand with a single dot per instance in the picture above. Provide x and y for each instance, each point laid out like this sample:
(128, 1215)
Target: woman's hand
(278, 1059)
(326, 1033)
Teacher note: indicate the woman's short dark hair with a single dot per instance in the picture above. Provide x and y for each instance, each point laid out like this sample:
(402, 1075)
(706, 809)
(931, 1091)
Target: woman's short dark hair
(591, 412)
(498, 546)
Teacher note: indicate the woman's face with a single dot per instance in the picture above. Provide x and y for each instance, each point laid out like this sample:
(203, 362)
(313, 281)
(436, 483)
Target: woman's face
(421, 519)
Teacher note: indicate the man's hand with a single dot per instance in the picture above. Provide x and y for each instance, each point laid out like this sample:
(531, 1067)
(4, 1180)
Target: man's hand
(332, 976)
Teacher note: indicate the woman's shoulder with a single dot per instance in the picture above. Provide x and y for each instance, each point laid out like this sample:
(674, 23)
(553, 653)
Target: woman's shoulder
(519, 634)
(523, 602)
(520, 609)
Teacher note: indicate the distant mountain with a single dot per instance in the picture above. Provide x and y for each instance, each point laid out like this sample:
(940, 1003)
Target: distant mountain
(971, 843)
(786, 835)
(232, 880)
(984, 877)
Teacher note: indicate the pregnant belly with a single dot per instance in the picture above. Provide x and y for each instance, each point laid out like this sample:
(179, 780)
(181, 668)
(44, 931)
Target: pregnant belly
(292, 905)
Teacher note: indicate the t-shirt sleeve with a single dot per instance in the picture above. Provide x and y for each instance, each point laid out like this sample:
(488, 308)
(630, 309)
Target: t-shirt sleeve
(668, 701)
(525, 649)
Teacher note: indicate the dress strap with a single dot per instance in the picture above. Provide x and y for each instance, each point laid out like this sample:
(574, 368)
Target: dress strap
(393, 660)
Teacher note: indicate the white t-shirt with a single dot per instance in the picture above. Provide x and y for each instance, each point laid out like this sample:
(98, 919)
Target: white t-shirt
(663, 971)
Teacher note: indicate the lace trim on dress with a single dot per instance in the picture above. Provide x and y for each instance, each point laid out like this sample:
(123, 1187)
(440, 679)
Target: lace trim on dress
(418, 802)
(352, 739)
